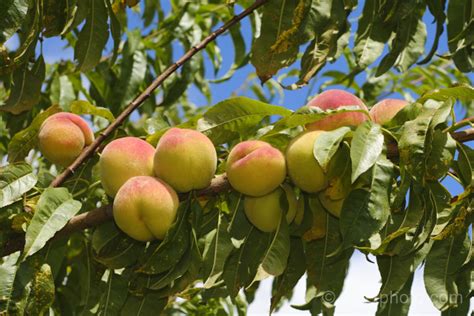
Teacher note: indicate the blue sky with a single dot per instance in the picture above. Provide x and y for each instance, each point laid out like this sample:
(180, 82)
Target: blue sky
(363, 277)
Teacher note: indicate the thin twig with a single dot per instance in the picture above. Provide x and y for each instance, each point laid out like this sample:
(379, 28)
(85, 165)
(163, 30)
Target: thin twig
(91, 149)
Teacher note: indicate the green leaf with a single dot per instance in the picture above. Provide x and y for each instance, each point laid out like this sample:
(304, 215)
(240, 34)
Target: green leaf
(15, 180)
(56, 16)
(465, 165)
(326, 274)
(295, 268)
(113, 248)
(115, 30)
(276, 256)
(364, 213)
(42, 293)
(372, 34)
(26, 89)
(233, 117)
(327, 144)
(461, 92)
(114, 294)
(441, 155)
(62, 91)
(443, 263)
(93, 36)
(83, 107)
(8, 271)
(55, 208)
(25, 140)
(164, 255)
(366, 147)
(148, 304)
(396, 304)
(278, 43)
(12, 15)
(409, 42)
(219, 249)
(459, 14)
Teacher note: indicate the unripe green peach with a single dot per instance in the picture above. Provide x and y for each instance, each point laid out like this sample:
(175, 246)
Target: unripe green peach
(145, 208)
(123, 159)
(255, 168)
(62, 137)
(264, 212)
(303, 169)
(331, 100)
(185, 159)
(385, 110)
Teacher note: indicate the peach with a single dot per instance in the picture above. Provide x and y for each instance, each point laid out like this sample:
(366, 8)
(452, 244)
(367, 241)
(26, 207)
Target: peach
(385, 110)
(123, 159)
(264, 212)
(255, 168)
(145, 208)
(331, 100)
(62, 137)
(303, 169)
(185, 159)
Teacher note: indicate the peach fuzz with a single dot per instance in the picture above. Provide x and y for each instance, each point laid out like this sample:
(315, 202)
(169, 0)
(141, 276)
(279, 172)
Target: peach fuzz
(62, 137)
(264, 212)
(123, 159)
(185, 159)
(145, 208)
(385, 110)
(303, 169)
(331, 100)
(255, 168)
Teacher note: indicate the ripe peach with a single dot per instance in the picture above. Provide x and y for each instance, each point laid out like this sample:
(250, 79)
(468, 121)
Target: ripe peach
(264, 212)
(62, 137)
(303, 169)
(331, 100)
(185, 159)
(123, 159)
(385, 110)
(255, 168)
(145, 208)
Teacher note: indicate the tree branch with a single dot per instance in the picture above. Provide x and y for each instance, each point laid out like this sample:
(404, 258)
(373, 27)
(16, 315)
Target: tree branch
(91, 149)
(218, 185)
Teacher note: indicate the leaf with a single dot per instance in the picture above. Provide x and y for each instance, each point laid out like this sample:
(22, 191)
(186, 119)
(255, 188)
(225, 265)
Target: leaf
(15, 180)
(26, 88)
(441, 155)
(372, 34)
(81, 107)
(326, 274)
(164, 255)
(113, 248)
(8, 271)
(233, 117)
(443, 263)
(295, 269)
(113, 295)
(219, 250)
(25, 140)
(12, 15)
(408, 43)
(276, 256)
(278, 43)
(366, 147)
(42, 292)
(327, 144)
(459, 14)
(62, 91)
(54, 209)
(465, 165)
(148, 304)
(115, 30)
(461, 92)
(397, 304)
(92, 37)
(56, 16)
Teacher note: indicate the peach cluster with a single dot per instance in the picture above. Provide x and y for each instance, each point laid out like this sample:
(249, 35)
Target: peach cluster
(144, 181)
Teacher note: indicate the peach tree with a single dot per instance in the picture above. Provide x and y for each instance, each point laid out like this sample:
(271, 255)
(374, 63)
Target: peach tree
(120, 194)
